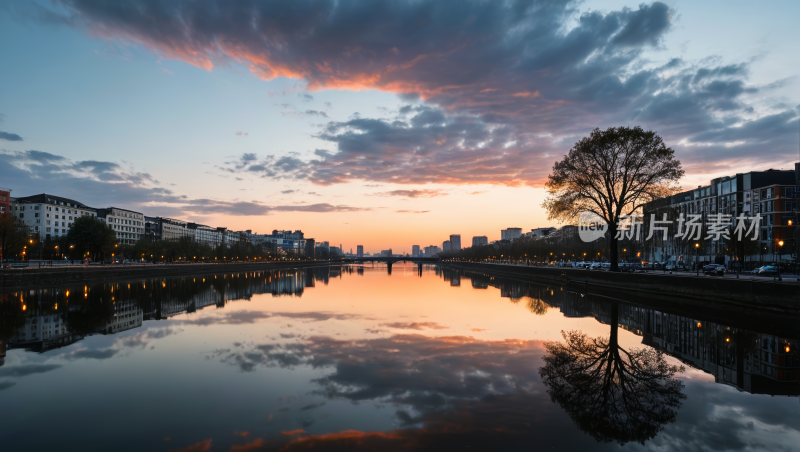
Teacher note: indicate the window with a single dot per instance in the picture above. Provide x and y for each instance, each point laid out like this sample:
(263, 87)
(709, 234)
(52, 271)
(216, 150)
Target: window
(36, 215)
(22, 215)
(788, 192)
(35, 207)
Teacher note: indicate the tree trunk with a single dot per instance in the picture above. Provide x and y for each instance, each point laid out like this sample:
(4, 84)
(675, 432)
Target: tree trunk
(613, 253)
(613, 339)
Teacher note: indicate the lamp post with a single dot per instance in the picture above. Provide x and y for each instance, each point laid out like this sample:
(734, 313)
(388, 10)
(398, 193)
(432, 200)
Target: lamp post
(780, 249)
(697, 257)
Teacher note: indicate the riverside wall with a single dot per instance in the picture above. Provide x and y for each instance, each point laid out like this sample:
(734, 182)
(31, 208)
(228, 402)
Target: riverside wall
(744, 292)
(31, 278)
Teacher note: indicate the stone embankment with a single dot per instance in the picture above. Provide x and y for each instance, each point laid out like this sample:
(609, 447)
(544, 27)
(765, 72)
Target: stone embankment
(743, 292)
(30, 278)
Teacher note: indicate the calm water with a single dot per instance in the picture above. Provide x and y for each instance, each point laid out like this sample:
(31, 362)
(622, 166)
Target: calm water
(355, 357)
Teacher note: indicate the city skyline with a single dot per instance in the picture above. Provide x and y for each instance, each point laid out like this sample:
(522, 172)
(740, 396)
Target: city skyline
(244, 136)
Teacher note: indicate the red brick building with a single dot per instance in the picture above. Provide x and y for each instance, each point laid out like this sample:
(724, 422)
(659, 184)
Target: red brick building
(5, 200)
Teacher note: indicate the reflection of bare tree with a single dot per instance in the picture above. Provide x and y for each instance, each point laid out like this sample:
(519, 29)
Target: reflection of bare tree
(537, 306)
(611, 393)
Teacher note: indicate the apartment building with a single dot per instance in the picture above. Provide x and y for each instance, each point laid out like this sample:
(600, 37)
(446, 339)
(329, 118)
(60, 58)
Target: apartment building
(128, 224)
(49, 216)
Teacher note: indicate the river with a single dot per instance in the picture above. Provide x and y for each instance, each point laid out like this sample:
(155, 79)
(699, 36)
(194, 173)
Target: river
(373, 358)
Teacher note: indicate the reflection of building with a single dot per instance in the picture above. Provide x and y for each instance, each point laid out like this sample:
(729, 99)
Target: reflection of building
(47, 320)
(128, 314)
(49, 216)
(754, 362)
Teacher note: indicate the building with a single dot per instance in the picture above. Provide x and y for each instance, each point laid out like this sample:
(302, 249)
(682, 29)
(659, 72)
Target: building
(386, 253)
(772, 195)
(510, 234)
(159, 228)
(431, 251)
(455, 242)
(539, 233)
(5, 200)
(480, 240)
(360, 250)
(49, 216)
(310, 249)
(446, 245)
(415, 251)
(286, 240)
(128, 224)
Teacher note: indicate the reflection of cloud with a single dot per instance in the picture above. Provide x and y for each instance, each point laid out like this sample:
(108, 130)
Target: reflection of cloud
(243, 317)
(6, 384)
(86, 353)
(415, 325)
(27, 369)
(142, 338)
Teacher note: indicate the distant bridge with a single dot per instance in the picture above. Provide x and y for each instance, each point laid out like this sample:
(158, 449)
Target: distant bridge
(387, 259)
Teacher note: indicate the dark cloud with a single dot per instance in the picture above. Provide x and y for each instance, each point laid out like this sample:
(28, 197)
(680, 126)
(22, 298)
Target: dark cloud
(101, 183)
(316, 113)
(426, 193)
(6, 384)
(10, 136)
(415, 325)
(305, 97)
(509, 85)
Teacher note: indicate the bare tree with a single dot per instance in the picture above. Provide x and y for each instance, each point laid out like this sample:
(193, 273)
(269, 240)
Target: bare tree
(611, 173)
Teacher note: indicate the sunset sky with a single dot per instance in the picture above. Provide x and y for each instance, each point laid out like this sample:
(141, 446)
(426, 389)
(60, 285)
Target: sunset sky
(380, 123)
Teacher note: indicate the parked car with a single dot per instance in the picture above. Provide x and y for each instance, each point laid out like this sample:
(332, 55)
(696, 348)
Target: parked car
(714, 270)
(767, 270)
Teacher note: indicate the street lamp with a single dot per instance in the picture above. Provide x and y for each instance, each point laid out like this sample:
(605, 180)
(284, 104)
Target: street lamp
(697, 257)
(780, 249)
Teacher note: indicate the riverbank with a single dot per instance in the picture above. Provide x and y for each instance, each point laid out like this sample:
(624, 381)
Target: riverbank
(697, 291)
(30, 278)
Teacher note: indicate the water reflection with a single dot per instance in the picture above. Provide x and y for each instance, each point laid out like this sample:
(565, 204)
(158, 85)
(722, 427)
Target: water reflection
(439, 389)
(612, 393)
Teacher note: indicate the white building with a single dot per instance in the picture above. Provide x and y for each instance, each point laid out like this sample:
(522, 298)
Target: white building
(510, 234)
(49, 216)
(128, 224)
